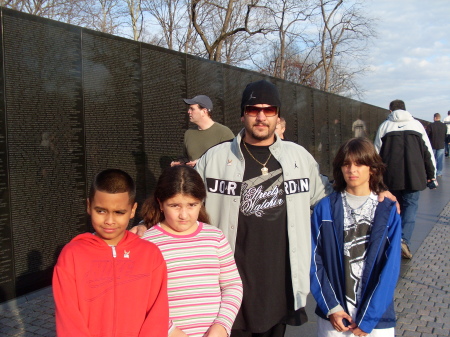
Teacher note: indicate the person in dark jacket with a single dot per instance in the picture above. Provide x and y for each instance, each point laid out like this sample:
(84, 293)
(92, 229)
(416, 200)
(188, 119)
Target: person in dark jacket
(405, 148)
(356, 248)
(437, 133)
(447, 138)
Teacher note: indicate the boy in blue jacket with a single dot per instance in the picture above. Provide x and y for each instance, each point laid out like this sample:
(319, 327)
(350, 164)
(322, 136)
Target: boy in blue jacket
(356, 248)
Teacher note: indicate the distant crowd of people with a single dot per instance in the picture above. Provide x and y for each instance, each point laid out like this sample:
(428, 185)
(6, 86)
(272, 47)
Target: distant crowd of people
(227, 245)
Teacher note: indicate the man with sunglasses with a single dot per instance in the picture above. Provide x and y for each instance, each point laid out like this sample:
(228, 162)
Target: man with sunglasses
(259, 193)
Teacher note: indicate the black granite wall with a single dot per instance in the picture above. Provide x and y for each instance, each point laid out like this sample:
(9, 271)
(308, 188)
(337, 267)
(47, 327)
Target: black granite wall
(75, 101)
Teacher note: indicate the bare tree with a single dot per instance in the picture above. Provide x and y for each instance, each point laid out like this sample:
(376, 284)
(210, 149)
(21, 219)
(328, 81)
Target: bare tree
(296, 70)
(45, 8)
(343, 34)
(103, 15)
(313, 42)
(40, 7)
(69, 11)
(217, 26)
(323, 48)
(173, 19)
(13, 4)
(236, 49)
(136, 16)
(288, 20)
(73, 12)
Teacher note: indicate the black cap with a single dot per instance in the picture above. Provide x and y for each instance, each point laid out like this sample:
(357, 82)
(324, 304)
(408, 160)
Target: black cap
(202, 100)
(260, 92)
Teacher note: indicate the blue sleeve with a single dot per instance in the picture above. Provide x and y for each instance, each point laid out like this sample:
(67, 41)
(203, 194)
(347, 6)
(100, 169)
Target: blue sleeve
(383, 294)
(321, 287)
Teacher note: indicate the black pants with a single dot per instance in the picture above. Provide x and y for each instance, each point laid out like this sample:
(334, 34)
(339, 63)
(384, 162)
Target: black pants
(447, 141)
(276, 331)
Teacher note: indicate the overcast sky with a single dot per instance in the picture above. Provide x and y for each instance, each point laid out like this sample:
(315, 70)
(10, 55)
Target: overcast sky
(410, 59)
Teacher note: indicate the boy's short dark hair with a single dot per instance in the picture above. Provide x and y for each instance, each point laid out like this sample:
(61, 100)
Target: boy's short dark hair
(397, 104)
(113, 181)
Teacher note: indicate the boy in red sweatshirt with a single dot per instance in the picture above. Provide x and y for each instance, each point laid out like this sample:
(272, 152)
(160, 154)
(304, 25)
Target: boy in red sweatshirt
(111, 283)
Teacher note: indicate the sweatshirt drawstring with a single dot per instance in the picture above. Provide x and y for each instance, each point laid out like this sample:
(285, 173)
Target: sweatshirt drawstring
(113, 251)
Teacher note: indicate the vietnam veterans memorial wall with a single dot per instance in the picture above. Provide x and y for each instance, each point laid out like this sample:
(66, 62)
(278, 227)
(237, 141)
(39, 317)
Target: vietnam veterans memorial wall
(75, 101)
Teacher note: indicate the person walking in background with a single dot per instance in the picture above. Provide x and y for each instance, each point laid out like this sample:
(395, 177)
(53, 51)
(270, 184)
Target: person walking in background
(111, 283)
(205, 290)
(206, 134)
(447, 138)
(405, 148)
(359, 128)
(281, 127)
(437, 133)
(356, 248)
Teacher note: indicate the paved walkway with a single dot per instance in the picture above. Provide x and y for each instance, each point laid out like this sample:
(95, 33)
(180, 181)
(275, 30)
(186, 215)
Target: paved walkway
(422, 295)
(29, 315)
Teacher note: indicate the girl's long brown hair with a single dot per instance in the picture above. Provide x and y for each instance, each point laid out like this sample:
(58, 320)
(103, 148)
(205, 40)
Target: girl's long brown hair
(174, 180)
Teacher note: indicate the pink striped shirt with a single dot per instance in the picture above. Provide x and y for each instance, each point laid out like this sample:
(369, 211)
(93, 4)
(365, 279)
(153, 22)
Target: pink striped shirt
(204, 285)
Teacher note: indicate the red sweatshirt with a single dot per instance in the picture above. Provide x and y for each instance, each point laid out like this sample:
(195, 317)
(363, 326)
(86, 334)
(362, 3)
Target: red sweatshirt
(111, 291)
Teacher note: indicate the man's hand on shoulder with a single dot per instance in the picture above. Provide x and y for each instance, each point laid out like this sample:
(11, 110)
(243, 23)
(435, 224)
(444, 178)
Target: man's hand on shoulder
(175, 163)
(139, 230)
(389, 195)
(191, 163)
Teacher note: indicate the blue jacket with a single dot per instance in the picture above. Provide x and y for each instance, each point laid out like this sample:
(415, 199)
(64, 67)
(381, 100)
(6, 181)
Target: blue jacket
(376, 309)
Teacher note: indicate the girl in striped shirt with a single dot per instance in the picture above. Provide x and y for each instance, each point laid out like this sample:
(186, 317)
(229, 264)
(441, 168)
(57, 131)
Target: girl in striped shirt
(204, 286)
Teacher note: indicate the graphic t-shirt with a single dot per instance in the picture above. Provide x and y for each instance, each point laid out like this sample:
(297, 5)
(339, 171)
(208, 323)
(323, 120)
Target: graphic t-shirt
(261, 247)
(357, 228)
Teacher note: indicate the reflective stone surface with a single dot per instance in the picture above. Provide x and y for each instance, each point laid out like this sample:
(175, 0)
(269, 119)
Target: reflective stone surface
(74, 102)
